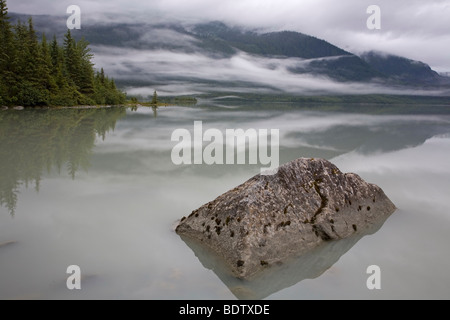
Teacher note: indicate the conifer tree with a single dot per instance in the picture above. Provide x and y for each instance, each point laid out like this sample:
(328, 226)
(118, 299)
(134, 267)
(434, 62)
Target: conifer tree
(86, 71)
(48, 79)
(54, 53)
(155, 98)
(7, 54)
(65, 93)
(102, 76)
(72, 59)
(32, 54)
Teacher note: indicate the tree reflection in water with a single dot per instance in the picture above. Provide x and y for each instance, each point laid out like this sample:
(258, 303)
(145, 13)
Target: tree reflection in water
(32, 141)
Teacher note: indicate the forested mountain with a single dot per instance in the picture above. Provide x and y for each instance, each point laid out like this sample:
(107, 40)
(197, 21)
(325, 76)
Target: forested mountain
(401, 69)
(344, 66)
(38, 72)
(217, 35)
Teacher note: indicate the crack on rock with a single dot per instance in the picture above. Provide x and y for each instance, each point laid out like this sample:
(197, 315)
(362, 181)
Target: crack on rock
(283, 224)
(318, 230)
(323, 199)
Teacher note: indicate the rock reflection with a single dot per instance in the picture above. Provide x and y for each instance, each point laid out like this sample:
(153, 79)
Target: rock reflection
(278, 277)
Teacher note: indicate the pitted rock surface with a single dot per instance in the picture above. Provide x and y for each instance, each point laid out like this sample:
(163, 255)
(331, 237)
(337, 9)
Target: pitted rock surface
(271, 218)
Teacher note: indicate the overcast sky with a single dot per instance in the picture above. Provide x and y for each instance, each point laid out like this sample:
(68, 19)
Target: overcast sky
(419, 30)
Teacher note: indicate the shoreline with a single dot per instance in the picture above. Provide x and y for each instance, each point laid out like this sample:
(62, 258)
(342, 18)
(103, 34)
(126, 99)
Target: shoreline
(20, 108)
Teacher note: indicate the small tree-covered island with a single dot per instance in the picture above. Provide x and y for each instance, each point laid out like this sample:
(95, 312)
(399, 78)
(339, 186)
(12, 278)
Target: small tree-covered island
(46, 73)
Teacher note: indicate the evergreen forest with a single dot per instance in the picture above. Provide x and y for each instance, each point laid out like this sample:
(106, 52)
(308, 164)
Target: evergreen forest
(42, 72)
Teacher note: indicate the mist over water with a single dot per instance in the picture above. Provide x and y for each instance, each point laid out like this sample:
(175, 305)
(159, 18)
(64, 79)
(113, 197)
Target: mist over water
(240, 73)
(115, 219)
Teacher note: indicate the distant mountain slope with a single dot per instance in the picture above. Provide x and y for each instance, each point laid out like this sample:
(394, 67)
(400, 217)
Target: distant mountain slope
(402, 69)
(342, 68)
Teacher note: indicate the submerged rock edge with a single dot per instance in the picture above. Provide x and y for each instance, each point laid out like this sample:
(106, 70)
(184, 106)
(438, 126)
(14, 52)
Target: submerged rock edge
(269, 219)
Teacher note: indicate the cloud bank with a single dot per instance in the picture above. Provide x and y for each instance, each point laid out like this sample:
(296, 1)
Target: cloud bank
(410, 28)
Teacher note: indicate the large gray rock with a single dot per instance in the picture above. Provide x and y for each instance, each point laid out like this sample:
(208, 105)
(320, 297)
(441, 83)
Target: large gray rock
(269, 219)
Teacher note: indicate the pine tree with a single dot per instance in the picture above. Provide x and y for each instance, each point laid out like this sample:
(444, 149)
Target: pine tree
(7, 56)
(102, 77)
(72, 59)
(48, 79)
(64, 94)
(32, 54)
(155, 98)
(86, 71)
(54, 52)
(22, 87)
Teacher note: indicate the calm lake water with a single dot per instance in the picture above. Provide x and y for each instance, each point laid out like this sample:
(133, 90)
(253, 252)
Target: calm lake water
(97, 189)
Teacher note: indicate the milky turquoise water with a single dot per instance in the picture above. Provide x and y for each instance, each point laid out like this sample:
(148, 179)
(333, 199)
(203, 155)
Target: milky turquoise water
(108, 197)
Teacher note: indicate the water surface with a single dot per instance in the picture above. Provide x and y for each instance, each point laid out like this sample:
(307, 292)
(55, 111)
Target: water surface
(97, 188)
